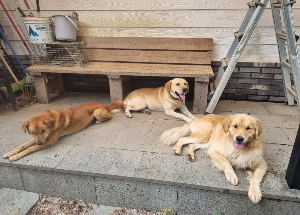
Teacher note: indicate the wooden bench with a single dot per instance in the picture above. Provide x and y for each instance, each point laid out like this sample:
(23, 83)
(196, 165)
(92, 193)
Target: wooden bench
(119, 58)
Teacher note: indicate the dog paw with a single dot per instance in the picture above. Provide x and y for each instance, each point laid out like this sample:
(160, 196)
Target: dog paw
(129, 116)
(188, 120)
(177, 151)
(232, 177)
(190, 157)
(146, 111)
(254, 194)
(5, 156)
(8, 155)
(13, 158)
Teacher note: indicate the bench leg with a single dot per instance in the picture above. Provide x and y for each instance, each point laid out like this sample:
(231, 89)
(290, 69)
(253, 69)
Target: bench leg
(119, 86)
(200, 95)
(41, 88)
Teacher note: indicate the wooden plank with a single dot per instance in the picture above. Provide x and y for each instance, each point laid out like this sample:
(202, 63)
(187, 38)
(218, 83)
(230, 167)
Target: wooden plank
(261, 35)
(199, 44)
(142, 56)
(167, 19)
(252, 53)
(131, 69)
(79, 5)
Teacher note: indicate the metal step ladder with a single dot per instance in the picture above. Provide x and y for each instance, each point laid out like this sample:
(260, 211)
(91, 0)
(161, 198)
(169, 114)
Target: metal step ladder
(285, 39)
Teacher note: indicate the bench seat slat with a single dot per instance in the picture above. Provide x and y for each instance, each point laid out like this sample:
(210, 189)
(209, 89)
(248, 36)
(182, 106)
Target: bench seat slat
(197, 44)
(131, 69)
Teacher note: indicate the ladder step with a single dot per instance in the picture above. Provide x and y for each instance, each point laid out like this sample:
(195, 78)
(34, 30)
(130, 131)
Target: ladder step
(287, 66)
(292, 93)
(255, 4)
(281, 36)
(277, 5)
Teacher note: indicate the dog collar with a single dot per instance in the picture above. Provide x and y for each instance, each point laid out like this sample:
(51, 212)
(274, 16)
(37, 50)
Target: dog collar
(175, 98)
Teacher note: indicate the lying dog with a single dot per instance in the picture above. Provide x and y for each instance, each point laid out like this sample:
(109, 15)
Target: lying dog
(166, 98)
(231, 142)
(47, 127)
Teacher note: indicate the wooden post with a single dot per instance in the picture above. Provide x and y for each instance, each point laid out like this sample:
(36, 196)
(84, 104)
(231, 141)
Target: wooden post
(292, 176)
(200, 95)
(41, 88)
(119, 86)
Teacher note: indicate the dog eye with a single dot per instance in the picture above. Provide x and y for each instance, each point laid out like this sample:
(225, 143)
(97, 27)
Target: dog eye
(248, 128)
(177, 84)
(43, 131)
(185, 84)
(235, 126)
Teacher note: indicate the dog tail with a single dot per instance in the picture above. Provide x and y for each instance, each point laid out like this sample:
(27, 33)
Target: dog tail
(171, 136)
(115, 106)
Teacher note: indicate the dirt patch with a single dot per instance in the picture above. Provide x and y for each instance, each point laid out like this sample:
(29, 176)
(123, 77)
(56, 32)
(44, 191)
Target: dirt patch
(48, 205)
(22, 99)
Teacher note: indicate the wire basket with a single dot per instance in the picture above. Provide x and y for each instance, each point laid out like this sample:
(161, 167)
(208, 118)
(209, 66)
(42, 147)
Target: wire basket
(62, 53)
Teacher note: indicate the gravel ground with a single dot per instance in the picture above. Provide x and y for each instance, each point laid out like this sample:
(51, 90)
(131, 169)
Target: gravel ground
(48, 205)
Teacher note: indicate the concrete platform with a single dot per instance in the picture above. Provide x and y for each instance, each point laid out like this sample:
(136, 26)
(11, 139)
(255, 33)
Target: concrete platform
(121, 162)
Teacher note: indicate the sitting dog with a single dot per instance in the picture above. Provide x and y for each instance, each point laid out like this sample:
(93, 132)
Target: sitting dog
(47, 127)
(231, 142)
(166, 98)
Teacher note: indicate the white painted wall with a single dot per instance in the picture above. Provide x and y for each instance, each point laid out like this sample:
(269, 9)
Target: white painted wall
(217, 19)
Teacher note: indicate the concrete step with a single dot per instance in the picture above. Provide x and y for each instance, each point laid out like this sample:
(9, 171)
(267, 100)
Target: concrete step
(121, 162)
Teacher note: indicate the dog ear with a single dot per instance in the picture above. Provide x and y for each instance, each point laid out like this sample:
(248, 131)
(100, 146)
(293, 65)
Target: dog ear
(168, 85)
(188, 87)
(227, 123)
(49, 122)
(25, 126)
(258, 129)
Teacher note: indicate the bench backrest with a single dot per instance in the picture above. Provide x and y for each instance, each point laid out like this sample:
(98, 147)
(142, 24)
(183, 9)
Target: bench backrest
(197, 51)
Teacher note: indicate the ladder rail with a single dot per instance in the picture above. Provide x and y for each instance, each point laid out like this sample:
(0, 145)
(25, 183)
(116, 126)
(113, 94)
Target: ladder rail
(281, 38)
(291, 44)
(236, 55)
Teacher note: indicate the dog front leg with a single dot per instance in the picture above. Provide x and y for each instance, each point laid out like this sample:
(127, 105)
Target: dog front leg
(19, 149)
(172, 113)
(28, 151)
(185, 111)
(224, 166)
(254, 192)
(51, 140)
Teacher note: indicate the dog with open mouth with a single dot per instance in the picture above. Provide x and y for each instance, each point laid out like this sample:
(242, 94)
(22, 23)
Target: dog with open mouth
(166, 98)
(231, 142)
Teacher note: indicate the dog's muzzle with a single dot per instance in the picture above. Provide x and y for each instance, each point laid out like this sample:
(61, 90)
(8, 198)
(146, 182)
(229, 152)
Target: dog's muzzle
(239, 142)
(40, 143)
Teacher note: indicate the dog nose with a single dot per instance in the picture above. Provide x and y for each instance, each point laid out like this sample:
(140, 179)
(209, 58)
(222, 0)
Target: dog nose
(184, 90)
(239, 139)
(40, 143)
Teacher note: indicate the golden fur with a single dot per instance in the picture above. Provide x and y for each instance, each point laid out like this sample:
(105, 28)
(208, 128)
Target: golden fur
(166, 98)
(231, 142)
(47, 127)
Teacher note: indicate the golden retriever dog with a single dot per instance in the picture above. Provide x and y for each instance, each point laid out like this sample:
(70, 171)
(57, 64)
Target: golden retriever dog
(47, 127)
(231, 142)
(166, 98)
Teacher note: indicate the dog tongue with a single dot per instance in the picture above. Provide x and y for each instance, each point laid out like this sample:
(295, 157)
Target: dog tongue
(182, 96)
(238, 145)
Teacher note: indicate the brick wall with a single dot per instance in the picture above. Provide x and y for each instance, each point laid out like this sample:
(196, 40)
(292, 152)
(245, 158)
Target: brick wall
(249, 81)
(254, 82)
